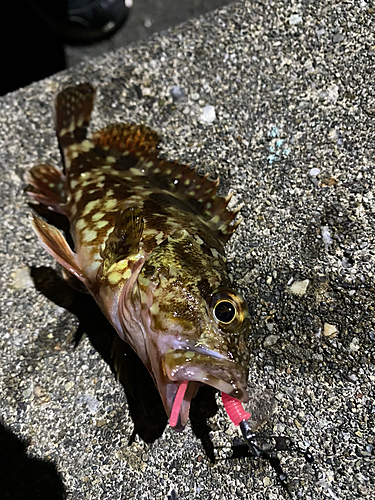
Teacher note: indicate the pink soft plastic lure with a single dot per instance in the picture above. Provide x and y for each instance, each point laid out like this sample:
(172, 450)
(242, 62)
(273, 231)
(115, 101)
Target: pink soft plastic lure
(233, 407)
(173, 419)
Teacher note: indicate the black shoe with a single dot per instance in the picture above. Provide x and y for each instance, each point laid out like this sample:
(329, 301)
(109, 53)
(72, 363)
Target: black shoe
(83, 21)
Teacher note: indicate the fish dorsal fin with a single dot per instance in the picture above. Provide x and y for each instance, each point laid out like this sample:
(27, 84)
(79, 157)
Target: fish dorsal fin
(120, 138)
(124, 240)
(73, 111)
(56, 245)
(197, 191)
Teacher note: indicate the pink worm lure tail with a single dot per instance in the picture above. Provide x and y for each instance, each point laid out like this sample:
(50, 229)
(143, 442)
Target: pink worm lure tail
(173, 419)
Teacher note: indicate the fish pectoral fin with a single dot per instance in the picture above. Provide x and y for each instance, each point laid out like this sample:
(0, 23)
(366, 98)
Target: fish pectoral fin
(126, 138)
(125, 238)
(47, 185)
(56, 245)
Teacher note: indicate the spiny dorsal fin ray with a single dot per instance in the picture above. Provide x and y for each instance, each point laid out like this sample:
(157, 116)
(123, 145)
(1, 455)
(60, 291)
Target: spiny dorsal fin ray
(47, 185)
(120, 138)
(223, 223)
(196, 190)
(56, 245)
(181, 179)
(73, 111)
(125, 238)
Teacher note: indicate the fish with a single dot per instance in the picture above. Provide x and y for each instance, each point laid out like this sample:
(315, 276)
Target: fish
(149, 237)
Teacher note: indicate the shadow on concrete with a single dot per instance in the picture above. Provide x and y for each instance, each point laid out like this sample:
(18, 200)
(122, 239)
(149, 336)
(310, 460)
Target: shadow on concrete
(25, 478)
(145, 406)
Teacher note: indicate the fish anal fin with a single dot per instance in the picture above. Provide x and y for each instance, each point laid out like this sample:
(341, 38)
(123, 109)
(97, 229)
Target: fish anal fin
(56, 245)
(124, 240)
(120, 138)
(47, 185)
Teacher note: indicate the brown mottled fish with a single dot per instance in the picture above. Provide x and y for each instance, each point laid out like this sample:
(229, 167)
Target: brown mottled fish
(149, 239)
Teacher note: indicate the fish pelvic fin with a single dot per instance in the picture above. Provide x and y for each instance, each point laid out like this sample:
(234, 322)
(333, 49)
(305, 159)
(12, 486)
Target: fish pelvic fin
(56, 245)
(128, 138)
(125, 238)
(73, 111)
(47, 185)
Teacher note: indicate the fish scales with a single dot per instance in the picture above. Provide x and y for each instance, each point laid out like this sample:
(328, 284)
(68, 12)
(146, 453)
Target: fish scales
(149, 239)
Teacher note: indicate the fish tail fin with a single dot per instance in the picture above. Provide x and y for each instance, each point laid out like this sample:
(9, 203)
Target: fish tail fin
(73, 111)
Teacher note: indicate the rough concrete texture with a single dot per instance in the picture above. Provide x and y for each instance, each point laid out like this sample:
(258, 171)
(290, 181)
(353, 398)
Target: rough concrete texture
(293, 138)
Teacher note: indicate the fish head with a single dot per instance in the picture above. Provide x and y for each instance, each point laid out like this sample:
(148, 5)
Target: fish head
(195, 326)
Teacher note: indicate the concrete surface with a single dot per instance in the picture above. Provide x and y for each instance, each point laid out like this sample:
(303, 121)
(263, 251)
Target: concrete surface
(293, 138)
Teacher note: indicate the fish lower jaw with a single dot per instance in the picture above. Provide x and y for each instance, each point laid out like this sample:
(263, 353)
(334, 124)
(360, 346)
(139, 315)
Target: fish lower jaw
(192, 380)
(201, 377)
(222, 374)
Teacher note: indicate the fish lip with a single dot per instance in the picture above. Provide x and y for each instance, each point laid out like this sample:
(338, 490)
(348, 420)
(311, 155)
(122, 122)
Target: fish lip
(222, 373)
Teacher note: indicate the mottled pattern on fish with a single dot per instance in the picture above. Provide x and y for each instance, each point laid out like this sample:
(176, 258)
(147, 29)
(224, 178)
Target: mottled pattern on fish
(149, 237)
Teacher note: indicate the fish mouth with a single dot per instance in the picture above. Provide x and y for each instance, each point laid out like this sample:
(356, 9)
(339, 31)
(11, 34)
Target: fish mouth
(194, 369)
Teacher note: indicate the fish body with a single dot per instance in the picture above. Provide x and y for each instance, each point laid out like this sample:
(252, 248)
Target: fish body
(149, 240)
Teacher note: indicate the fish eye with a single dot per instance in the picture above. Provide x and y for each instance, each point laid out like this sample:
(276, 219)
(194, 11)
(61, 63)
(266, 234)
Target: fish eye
(225, 311)
(228, 309)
